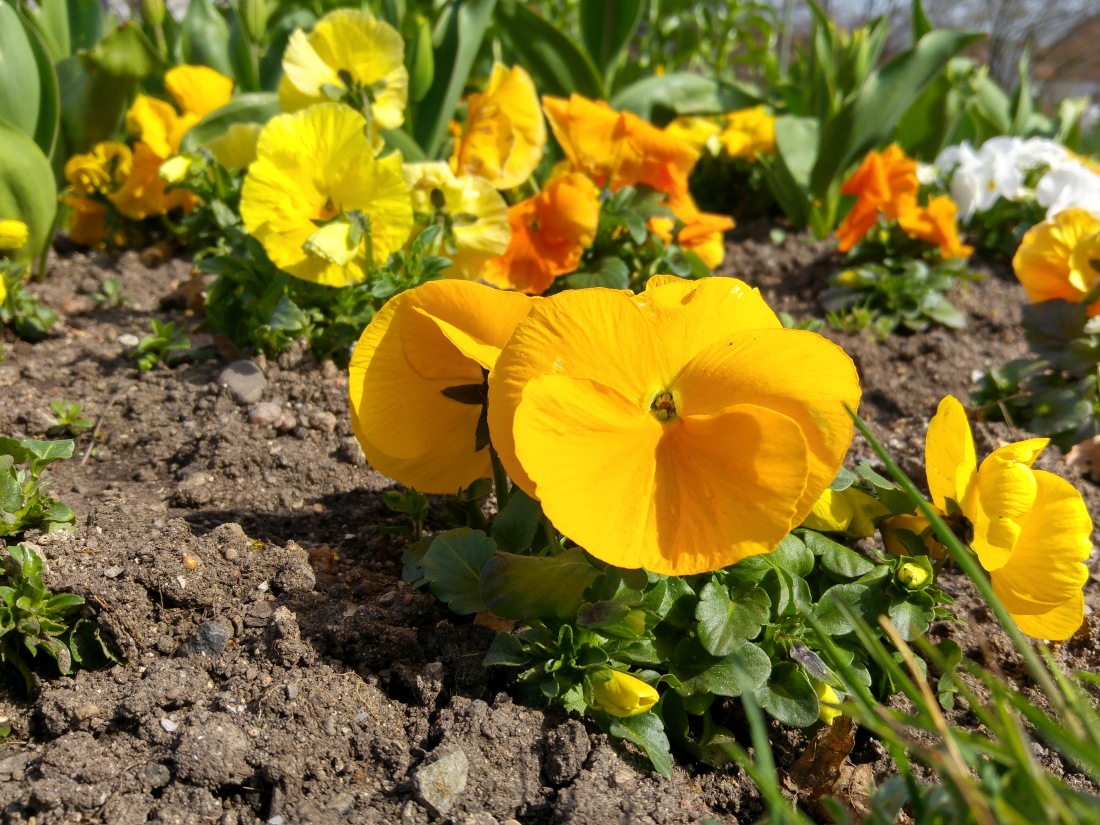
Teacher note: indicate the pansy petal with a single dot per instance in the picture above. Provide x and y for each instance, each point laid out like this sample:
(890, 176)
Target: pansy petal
(1006, 490)
(796, 373)
(727, 488)
(198, 90)
(949, 457)
(568, 433)
(1056, 624)
(1046, 567)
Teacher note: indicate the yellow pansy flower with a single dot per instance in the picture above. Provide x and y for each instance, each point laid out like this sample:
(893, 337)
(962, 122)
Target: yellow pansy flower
(711, 429)
(144, 192)
(197, 90)
(623, 695)
(1055, 258)
(748, 133)
(697, 132)
(236, 149)
(474, 216)
(101, 171)
(315, 168)
(351, 56)
(13, 234)
(423, 348)
(1029, 528)
(87, 221)
(505, 132)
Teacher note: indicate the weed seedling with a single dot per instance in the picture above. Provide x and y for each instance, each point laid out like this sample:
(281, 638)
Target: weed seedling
(160, 347)
(109, 293)
(23, 500)
(70, 419)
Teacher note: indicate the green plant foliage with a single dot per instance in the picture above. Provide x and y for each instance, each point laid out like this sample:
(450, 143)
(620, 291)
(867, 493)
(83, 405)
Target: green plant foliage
(20, 309)
(27, 190)
(555, 61)
(24, 503)
(33, 620)
(167, 345)
(607, 28)
(1053, 392)
(70, 419)
(899, 292)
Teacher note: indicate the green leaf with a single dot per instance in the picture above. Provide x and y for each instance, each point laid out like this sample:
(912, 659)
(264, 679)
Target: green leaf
(257, 107)
(607, 27)
(401, 141)
(506, 650)
(796, 141)
(20, 84)
(47, 452)
(729, 619)
(459, 33)
(793, 555)
(27, 189)
(611, 273)
(49, 105)
(910, 618)
(125, 52)
(205, 37)
(747, 668)
(556, 63)
(871, 115)
(647, 731)
(828, 612)
(86, 23)
(660, 99)
(453, 565)
(920, 25)
(514, 527)
(836, 558)
(534, 587)
(789, 696)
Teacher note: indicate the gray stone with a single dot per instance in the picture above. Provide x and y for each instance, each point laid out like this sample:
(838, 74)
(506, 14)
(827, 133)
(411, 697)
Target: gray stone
(212, 753)
(244, 380)
(210, 638)
(438, 785)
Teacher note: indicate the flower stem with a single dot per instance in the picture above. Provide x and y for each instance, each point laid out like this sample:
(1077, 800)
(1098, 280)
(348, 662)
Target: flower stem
(500, 479)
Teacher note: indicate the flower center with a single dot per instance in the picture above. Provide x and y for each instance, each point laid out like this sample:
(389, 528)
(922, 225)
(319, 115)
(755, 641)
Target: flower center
(663, 406)
(328, 211)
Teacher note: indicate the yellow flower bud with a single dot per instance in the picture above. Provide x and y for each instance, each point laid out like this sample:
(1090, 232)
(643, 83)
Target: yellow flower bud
(912, 576)
(13, 234)
(152, 11)
(827, 696)
(849, 277)
(623, 695)
(175, 169)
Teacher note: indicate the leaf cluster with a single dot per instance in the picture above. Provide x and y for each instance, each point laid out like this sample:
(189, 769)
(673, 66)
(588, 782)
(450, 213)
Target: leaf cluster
(756, 627)
(898, 292)
(24, 503)
(255, 304)
(167, 345)
(33, 620)
(1053, 392)
(29, 319)
(70, 419)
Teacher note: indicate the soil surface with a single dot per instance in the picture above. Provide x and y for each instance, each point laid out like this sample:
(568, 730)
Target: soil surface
(230, 537)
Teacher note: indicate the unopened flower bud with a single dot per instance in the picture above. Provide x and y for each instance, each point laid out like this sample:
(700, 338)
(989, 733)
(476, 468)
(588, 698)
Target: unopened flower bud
(254, 14)
(152, 12)
(13, 234)
(623, 695)
(827, 696)
(912, 576)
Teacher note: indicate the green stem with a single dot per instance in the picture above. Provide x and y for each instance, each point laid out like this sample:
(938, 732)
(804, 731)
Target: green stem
(500, 479)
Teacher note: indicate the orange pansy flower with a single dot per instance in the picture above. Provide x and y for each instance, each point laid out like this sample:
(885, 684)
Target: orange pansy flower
(701, 233)
(883, 183)
(618, 148)
(550, 232)
(935, 223)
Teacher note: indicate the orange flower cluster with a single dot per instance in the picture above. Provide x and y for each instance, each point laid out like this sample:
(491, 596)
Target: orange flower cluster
(603, 149)
(886, 184)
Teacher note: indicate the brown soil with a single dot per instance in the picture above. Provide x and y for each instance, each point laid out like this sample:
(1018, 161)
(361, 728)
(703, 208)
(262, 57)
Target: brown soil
(276, 667)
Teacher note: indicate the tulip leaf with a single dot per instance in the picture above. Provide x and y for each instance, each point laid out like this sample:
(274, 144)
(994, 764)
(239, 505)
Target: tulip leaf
(729, 619)
(660, 99)
(459, 33)
(789, 696)
(86, 23)
(453, 566)
(49, 104)
(51, 21)
(556, 63)
(20, 87)
(205, 37)
(514, 527)
(257, 107)
(647, 731)
(27, 189)
(870, 116)
(536, 587)
(401, 141)
(607, 26)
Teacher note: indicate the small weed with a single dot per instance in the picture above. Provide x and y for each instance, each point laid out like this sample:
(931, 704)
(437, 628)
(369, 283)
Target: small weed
(70, 419)
(167, 345)
(23, 500)
(30, 320)
(109, 293)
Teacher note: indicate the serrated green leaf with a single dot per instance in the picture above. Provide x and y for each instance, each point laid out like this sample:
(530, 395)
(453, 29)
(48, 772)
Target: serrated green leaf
(729, 619)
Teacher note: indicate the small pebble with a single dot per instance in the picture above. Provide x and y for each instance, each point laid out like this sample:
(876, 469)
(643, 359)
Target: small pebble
(244, 380)
(292, 691)
(128, 340)
(168, 724)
